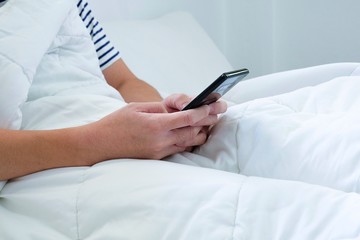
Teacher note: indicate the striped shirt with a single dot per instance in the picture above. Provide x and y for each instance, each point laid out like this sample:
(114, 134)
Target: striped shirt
(106, 52)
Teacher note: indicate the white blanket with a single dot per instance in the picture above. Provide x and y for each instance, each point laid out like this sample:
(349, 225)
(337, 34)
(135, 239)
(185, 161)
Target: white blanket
(310, 135)
(259, 176)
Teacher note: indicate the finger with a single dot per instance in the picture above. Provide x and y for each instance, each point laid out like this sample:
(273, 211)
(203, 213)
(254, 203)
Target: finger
(177, 101)
(185, 133)
(189, 149)
(184, 118)
(208, 121)
(191, 137)
(206, 130)
(218, 107)
(171, 150)
(149, 107)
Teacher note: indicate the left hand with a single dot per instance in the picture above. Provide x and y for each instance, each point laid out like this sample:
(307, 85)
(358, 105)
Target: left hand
(177, 102)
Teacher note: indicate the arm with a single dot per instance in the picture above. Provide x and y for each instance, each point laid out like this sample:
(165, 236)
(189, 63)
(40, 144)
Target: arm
(116, 73)
(131, 88)
(141, 130)
(25, 152)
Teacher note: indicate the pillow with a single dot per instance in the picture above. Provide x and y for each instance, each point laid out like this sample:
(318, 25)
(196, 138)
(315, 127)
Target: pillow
(21, 50)
(173, 52)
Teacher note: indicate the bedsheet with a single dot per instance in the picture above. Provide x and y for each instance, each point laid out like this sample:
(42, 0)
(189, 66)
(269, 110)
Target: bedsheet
(282, 167)
(130, 199)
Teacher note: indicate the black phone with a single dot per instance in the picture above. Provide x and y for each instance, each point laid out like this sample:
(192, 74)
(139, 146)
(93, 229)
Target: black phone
(218, 88)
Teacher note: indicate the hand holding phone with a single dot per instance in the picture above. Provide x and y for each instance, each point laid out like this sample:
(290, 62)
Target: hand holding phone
(218, 88)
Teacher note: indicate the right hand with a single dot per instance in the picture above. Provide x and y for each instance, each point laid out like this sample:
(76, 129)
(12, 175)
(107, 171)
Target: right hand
(147, 131)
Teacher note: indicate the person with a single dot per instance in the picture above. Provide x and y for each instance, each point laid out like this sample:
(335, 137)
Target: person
(148, 127)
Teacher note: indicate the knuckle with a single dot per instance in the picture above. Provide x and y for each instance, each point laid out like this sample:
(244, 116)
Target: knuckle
(187, 136)
(214, 119)
(201, 139)
(188, 119)
(193, 133)
(132, 105)
(179, 137)
(158, 150)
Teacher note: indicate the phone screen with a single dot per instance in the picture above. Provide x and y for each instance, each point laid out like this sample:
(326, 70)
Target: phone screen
(218, 88)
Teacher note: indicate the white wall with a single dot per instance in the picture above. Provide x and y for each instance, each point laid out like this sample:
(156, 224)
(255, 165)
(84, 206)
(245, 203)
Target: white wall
(264, 35)
(279, 35)
(248, 35)
(311, 32)
(210, 13)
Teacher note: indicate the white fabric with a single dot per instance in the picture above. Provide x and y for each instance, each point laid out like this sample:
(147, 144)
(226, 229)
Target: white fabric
(282, 82)
(18, 65)
(309, 135)
(67, 79)
(130, 199)
(296, 136)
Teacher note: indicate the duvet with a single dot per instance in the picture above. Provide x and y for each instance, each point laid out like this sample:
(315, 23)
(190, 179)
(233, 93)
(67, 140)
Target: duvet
(281, 167)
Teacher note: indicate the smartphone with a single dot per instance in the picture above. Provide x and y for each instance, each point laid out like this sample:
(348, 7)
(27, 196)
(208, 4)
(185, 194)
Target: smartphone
(218, 88)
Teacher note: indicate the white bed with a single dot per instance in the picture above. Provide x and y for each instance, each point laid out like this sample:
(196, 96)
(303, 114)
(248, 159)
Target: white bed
(283, 163)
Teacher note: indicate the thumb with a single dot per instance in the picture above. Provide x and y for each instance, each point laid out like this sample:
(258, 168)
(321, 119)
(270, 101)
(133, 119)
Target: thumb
(177, 101)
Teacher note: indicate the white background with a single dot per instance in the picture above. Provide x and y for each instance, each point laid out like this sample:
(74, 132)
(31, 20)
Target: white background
(263, 35)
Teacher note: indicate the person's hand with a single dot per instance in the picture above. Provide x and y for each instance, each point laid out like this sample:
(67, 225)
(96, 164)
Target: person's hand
(147, 130)
(177, 102)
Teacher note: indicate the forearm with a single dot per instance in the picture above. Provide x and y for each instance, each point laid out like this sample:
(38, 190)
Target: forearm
(25, 152)
(139, 91)
(132, 89)
(138, 130)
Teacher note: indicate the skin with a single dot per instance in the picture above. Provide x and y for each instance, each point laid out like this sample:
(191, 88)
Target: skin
(149, 127)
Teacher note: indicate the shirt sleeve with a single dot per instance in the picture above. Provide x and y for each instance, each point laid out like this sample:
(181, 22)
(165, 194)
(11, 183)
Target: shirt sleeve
(106, 52)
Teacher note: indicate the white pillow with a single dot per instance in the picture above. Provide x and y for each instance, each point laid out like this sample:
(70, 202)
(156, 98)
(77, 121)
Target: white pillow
(21, 50)
(173, 52)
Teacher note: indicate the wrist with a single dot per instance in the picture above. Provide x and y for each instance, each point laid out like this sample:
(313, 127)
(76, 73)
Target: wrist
(85, 145)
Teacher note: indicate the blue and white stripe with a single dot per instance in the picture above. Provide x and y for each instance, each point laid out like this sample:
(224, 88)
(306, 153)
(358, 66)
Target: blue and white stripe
(2, 2)
(106, 52)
